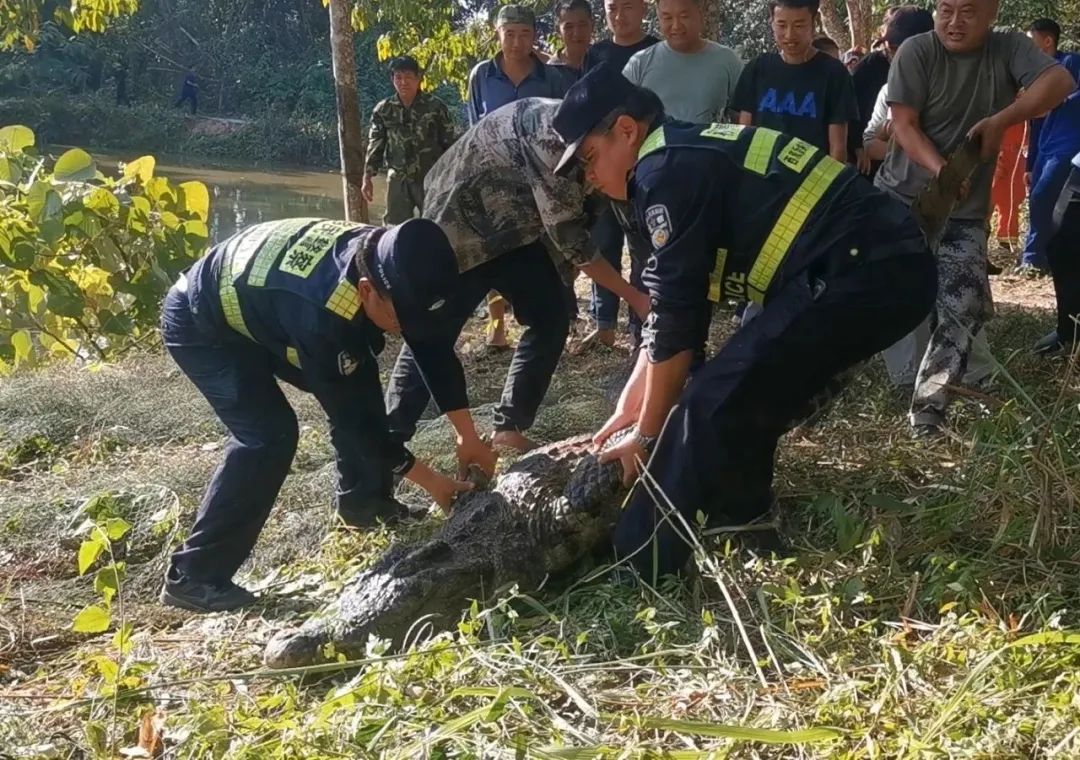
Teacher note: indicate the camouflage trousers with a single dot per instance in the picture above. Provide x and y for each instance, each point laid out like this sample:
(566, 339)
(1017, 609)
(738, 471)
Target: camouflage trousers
(404, 198)
(964, 304)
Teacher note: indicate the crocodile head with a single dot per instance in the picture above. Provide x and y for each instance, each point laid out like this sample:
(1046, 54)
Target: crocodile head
(547, 510)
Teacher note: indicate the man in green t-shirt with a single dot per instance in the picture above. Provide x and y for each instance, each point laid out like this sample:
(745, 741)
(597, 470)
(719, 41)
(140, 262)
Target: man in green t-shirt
(957, 81)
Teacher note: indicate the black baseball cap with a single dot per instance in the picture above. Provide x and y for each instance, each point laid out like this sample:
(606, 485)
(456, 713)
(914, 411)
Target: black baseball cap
(907, 22)
(417, 267)
(592, 99)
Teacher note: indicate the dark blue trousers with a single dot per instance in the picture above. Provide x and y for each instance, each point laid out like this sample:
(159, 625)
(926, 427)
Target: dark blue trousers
(716, 451)
(528, 279)
(239, 380)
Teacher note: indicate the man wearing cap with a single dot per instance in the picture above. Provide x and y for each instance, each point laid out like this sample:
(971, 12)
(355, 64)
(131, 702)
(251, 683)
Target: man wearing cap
(409, 131)
(735, 212)
(305, 301)
(515, 72)
(523, 231)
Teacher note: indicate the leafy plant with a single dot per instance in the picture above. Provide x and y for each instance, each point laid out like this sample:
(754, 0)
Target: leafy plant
(84, 258)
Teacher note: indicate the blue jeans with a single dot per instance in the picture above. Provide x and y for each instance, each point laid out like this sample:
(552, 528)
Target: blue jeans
(607, 234)
(1047, 180)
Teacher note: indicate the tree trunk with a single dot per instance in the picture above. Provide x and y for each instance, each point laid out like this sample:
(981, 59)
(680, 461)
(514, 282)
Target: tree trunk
(350, 134)
(713, 11)
(834, 25)
(861, 22)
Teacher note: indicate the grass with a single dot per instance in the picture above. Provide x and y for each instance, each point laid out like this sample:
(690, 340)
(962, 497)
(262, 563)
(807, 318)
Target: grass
(925, 611)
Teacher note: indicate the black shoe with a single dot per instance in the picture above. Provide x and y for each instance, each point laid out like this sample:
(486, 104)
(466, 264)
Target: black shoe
(200, 596)
(367, 513)
(1051, 345)
(927, 431)
(993, 269)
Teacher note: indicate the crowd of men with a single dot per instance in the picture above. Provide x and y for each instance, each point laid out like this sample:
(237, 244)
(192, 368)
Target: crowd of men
(783, 183)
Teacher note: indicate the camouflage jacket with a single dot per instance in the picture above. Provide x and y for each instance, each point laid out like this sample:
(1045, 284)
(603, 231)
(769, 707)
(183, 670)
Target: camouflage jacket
(408, 140)
(494, 189)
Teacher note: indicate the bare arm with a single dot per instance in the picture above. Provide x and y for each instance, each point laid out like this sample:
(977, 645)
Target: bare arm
(838, 142)
(908, 133)
(663, 383)
(1046, 93)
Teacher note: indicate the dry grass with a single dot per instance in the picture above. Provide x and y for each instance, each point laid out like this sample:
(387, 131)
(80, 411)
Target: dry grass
(916, 616)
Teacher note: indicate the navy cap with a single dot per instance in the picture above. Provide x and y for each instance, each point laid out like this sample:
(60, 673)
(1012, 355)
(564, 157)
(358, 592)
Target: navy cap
(907, 22)
(592, 99)
(417, 266)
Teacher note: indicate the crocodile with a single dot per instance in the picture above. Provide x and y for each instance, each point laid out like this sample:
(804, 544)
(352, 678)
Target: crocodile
(546, 511)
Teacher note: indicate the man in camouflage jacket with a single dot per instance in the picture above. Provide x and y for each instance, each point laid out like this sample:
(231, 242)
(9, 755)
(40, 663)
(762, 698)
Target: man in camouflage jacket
(516, 228)
(409, 131)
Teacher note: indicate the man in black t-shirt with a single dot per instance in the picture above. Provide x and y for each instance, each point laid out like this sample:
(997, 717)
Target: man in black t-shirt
(799, 91)
(625, 19)
(872, 72)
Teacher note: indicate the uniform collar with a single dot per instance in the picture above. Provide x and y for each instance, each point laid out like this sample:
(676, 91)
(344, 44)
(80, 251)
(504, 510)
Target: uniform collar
(654, 140)
(495, 68)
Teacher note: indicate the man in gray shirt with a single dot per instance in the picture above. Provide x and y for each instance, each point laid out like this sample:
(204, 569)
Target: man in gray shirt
(693, 76)
(959, 80)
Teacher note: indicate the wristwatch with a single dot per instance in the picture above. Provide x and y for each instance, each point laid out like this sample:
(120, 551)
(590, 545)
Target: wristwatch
(644, 441)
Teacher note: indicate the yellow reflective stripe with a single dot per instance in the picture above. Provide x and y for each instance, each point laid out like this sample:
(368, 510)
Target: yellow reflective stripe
(293, 357)
(723, 131)
(715, 291)
(789, 224)
(234, 263)
(273, 247)
(345, 300)
(760, 150)
(655, 141)
(796, 154)
(305, 254)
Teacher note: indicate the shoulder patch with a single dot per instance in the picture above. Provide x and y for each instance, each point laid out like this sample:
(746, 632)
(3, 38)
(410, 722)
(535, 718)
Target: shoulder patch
(723, 131)
(658, 222)
(347, 363)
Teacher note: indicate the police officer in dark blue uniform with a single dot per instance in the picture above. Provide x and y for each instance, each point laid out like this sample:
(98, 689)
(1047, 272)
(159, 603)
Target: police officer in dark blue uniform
(305, 301)
(735, 212)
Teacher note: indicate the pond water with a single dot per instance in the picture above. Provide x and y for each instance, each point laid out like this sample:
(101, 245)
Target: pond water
(241, 196)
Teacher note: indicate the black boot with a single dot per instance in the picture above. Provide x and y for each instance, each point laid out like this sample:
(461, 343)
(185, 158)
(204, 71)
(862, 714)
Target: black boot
(1051, 345)
(366, 513)
(203, 596)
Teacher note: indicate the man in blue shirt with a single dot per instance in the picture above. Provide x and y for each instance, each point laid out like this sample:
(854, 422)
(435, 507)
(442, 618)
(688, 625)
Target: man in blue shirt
(1054, 140)
(515, 72)
(1064, 266)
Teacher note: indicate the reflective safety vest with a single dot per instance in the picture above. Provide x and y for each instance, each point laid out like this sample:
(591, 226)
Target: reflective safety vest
(799, 175)
(306, 257)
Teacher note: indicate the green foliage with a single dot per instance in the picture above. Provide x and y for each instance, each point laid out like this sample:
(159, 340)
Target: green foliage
(96, 618)
(84, 258)
(20, 22)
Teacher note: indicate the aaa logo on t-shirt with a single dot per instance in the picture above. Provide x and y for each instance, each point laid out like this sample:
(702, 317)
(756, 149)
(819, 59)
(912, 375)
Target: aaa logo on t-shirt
(774, 102)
